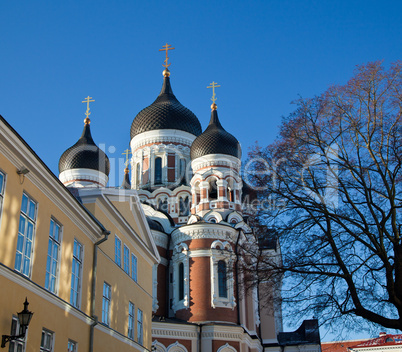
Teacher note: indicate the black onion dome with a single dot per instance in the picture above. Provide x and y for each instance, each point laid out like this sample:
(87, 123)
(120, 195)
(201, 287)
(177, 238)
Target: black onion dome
(215, 140)
(85, 154)
(166, 112)
(154, 225)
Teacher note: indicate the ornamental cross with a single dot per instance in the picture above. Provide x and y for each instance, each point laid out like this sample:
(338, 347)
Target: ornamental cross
(127, 152)
(88, 100)
(166, 47)
(213, 85)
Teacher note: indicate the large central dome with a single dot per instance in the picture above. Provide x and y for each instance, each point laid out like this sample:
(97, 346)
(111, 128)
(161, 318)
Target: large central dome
(166, 112)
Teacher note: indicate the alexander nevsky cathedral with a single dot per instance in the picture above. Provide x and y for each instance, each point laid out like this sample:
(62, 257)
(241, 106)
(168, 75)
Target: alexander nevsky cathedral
(189, 184)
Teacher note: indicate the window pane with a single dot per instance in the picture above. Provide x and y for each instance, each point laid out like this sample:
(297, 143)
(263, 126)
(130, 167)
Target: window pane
(222, 280)
(76, 274)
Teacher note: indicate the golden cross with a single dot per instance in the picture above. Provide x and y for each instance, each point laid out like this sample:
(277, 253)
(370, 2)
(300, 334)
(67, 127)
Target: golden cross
(166, 48)
(88, 100)
(213, 85)
(127, 152)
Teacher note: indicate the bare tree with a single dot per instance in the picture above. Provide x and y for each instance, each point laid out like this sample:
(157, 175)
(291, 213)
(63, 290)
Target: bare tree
(331, 187)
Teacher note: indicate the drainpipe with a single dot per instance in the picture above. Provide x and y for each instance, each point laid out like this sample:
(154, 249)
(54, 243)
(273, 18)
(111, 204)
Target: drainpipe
(237, 277)
(106, 234)
(200, 337)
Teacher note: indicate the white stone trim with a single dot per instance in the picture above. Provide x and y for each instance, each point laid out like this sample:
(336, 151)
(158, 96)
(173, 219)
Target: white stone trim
(180, 255)
(155, 304)
(176, 347)
(157, 136)
(216, 160)
(158, 347)
(83, 178)
(227, 256)
(226, 348)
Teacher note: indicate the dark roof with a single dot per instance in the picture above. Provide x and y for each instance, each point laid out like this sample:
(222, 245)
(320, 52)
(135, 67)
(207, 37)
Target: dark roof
(215, 140)
(307, 333)
(85, 154)
(55, 178)
(166, 112)
(154, 225)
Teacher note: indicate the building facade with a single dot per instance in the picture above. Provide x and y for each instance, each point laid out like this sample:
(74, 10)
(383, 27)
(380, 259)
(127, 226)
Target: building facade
(83, 261)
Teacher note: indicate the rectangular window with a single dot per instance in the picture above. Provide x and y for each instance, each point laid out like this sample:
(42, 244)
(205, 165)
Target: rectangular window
(26, 232)
(46, 343)
(76, 274)
(126, 260)
(19, 344)
(2, 184)
(71, 346)
(106, 304)
(134, 267)
(131, 320)
(52, 256)
(117, 251)
(139, 327)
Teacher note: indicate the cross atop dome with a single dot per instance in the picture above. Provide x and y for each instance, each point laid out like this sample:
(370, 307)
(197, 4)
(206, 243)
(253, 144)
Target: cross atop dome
(166, 48)
(213, 85)
(87, 100)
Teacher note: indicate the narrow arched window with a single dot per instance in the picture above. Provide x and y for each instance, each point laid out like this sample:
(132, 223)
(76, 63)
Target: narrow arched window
(213, 190)
(163, 204)
(181, 281)
(182, 169)
(158, 170)
(138, 174)
(222, 279)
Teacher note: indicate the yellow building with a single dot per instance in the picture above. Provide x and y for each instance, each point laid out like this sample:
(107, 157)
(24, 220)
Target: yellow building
(83, 257)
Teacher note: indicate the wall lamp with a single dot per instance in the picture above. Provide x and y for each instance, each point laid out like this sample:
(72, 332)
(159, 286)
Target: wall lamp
(24, 317)
(22, 171)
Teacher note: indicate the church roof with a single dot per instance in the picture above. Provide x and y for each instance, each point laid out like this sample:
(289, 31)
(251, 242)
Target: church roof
(85, 154)
(215, 140)
(166, 112)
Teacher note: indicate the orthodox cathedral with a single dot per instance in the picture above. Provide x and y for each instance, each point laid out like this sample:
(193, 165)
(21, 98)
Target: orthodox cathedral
(189, 185)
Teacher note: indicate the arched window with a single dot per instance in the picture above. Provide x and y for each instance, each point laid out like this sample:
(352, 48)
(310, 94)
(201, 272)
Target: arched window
(163, 204)
(184, 206)
(181, 281)
(138, 174)
(182, 169)
(222, 279)
(158, 170)
(213, 190)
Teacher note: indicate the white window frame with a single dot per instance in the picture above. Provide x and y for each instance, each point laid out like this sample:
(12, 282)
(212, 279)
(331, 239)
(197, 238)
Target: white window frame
(2, 189)
(222, 251)
(126, 260)
(15, 330)
(72, 346)
(131, 320)
(47, 347)
(52, 241)
(134, 267)
(140, 326)
(106, 303)
(117, 250)
(20, 253)
(80, 261)
(180, 255)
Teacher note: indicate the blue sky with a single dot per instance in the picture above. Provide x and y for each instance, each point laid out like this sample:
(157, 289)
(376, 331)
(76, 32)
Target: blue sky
(264, 54)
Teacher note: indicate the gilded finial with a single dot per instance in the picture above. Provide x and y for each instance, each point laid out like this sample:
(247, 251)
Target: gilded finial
(87, 100)
(213, 85)
(166, 48)
(127, 152)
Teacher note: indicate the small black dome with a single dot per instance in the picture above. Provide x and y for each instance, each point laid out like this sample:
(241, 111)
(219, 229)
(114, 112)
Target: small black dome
(85, 154)
(154, 225)
(166, 112)
(215, 140)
